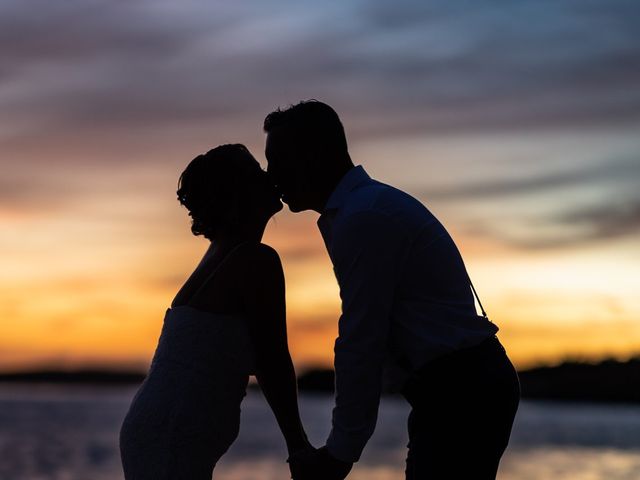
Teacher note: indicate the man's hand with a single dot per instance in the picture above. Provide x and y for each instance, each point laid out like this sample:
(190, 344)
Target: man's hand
(299, 461)
(317, 465)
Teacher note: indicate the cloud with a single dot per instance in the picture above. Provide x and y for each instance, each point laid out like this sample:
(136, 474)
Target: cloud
(123, 83)
(533, 212)
(610, 171)
(605, 222)
(32, 195)
(389, 68)
(573, 228)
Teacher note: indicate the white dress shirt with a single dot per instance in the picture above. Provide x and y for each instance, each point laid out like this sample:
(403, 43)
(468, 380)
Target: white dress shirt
(406, 298)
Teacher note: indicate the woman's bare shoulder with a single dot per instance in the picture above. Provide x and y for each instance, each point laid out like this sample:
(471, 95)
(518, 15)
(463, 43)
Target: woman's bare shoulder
(261, 254)
(261, 265)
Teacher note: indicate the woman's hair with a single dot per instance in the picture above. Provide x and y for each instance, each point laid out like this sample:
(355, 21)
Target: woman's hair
(213, 187)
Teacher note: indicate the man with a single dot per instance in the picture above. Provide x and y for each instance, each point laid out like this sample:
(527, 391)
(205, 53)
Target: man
(407, 310)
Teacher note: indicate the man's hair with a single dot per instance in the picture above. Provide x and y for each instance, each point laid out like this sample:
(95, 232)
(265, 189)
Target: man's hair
(315, 124)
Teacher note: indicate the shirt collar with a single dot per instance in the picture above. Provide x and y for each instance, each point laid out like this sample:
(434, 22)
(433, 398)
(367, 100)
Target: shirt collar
(349, 182)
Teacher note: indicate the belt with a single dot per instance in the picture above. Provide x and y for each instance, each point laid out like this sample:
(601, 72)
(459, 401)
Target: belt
(489, 346)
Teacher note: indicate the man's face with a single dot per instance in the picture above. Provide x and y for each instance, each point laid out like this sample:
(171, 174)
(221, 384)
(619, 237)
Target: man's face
(287, 167)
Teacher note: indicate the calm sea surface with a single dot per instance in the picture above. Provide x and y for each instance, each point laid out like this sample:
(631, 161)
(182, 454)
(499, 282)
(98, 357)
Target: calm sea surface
(71, 434)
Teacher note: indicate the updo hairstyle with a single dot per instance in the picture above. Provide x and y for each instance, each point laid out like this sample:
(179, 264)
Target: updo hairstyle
(214, 187)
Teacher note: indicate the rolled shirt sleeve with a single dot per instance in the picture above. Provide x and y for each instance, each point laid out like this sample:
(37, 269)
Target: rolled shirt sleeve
(368, 250)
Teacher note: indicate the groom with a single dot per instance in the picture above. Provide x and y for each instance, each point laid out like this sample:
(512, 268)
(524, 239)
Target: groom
(408, 313)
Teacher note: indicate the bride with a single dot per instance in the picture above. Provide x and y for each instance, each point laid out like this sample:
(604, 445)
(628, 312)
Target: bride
(226, 322)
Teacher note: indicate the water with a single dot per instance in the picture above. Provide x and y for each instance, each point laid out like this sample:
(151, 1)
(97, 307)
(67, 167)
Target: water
(71, 434)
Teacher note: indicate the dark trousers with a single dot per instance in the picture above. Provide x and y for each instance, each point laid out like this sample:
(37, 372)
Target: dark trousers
(463, 407)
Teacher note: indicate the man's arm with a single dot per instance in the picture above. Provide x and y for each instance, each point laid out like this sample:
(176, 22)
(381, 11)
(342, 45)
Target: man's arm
(368, 250)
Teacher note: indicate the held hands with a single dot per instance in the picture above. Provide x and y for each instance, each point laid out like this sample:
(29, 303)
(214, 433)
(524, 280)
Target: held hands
(317, 464)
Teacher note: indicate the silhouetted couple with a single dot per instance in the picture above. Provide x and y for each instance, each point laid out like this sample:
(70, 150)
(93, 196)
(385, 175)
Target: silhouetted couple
(408, 315)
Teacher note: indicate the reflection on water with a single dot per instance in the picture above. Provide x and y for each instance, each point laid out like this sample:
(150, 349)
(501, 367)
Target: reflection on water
(71, 434)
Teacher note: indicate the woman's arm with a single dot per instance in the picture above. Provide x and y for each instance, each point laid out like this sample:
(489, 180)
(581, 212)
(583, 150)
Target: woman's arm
(264, 302)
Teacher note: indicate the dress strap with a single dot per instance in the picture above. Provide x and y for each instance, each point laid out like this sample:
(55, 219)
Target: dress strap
(224, 260)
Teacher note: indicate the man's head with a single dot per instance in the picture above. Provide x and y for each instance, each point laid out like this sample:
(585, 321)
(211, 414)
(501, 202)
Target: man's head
(306, 152)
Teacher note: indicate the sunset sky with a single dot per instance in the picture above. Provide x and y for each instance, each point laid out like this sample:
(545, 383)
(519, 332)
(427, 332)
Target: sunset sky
(516, 123)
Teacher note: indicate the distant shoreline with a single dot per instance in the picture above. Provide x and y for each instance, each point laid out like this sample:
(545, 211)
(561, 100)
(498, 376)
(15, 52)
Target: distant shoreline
(606, 381)
(73, 376)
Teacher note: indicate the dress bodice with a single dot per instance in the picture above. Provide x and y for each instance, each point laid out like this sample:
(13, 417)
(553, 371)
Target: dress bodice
(204, 342)
(186, 413)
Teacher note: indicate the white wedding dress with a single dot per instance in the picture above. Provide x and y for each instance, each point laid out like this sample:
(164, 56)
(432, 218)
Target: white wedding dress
(186, 413)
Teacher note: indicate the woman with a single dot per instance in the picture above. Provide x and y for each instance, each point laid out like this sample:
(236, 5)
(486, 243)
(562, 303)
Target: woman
(225, 323)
